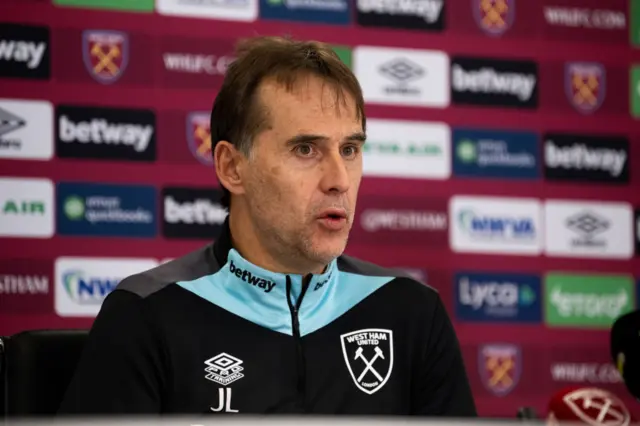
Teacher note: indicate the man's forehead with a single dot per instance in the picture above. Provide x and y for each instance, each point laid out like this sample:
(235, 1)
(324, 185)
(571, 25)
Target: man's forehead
(306, 94)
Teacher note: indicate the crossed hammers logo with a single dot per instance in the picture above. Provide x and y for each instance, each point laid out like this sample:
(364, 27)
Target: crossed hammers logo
(369, 363)
(105, 59)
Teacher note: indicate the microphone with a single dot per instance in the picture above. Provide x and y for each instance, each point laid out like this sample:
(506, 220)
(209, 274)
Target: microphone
(593, 406)
(625, 350)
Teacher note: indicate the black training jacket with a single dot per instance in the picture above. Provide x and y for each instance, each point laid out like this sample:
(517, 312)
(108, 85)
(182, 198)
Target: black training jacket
(211, 333)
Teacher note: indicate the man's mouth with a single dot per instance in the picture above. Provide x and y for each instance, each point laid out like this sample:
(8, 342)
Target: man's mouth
(334, 214)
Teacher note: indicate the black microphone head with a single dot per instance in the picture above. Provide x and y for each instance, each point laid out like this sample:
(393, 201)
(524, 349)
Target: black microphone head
(625, 350)
(527, 413)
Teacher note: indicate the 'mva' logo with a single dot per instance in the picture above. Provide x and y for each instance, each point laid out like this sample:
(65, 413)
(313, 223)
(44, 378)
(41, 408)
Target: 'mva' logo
(248, 277)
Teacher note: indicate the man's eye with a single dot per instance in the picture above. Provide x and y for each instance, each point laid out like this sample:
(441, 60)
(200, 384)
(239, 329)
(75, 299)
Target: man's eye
(304, 149)
(350, 150)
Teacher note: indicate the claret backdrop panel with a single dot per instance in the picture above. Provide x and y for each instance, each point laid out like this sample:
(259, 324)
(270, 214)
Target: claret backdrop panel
(502, 166)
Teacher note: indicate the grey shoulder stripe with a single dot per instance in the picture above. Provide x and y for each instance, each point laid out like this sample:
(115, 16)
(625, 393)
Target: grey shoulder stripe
(194, 265)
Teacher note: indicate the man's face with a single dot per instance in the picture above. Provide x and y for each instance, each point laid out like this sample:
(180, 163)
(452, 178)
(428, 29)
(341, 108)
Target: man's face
(303, 174)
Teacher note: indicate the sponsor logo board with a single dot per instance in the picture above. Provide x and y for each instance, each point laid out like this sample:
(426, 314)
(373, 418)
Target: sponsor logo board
(495, 154)
(407, 149)
(582, 366)
(634, 89)
(232, 10)
(494, 82)
(637, 234)
(105, 133)
(404, 221)
(92, 209)
(634, 29)
(587, 301)
(26, 208)
(192, 212)
(26, 286)
(496, 225)
(336, 12)
(82, 283)
(408, 77)
(494, 18)
(586, 158)
(589, 229)
(498, 297)
(185, 137)
(26, 129)
(104, 57)
(500, 367)
(426, 15)
(585, 20)
(131, 5)
(25, 52)
(194, 63)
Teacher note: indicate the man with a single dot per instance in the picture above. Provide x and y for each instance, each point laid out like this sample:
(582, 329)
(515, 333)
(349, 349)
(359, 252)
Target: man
(272, 318)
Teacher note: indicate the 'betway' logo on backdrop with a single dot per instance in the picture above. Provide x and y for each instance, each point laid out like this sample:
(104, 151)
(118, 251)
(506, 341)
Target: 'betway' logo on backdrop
(105, 133)
(82, 283)
(586, 158)
(499, 297)
(496, 225)
(192, 213)
(404, 14)
(494, 82)
(402, 76)
(398, 220)
(589, 229)
(249, 278)
(407, 149)
(24, 51)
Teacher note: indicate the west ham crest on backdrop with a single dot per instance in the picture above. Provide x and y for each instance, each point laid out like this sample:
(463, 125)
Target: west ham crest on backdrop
(368, 354)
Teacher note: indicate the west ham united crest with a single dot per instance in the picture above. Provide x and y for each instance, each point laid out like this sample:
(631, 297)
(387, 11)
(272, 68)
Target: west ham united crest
(199, 137)
(105, 54)
(500, 366)
(369, 357)
(494, 17)
(585, 85)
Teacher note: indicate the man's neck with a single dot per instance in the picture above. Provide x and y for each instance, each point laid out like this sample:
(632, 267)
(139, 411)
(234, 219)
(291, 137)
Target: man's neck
(246, 241)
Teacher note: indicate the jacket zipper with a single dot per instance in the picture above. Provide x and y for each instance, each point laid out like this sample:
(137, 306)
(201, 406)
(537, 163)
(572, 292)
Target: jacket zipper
(301, 382)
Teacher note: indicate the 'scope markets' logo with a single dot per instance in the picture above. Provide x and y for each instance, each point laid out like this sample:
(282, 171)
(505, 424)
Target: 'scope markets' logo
(498, 297)
(587, 301)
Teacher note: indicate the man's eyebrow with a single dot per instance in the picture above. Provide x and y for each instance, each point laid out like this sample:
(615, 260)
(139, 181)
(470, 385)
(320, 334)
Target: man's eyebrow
(302, 138)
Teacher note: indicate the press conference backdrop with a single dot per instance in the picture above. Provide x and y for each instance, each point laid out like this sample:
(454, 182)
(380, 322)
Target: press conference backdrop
(502, 166)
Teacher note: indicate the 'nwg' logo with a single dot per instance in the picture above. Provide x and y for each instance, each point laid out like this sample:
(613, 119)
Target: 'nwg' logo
(249, 278)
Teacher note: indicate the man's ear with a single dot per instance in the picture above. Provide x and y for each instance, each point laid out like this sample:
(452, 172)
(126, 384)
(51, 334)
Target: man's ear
(229, 163)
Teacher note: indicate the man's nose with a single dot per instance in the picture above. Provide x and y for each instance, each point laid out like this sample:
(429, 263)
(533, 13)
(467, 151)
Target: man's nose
(335, 175)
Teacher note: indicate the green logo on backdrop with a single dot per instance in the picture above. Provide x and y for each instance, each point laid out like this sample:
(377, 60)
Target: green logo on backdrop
(466, 151)
(593, 301)
(131, 5)
(411, 149)
(74, 208)
(634, 28)
(344, 53)
(23, 208)
(634, 87)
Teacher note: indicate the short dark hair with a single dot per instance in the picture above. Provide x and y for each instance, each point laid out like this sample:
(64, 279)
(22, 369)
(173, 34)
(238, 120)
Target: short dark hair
(236, 117)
